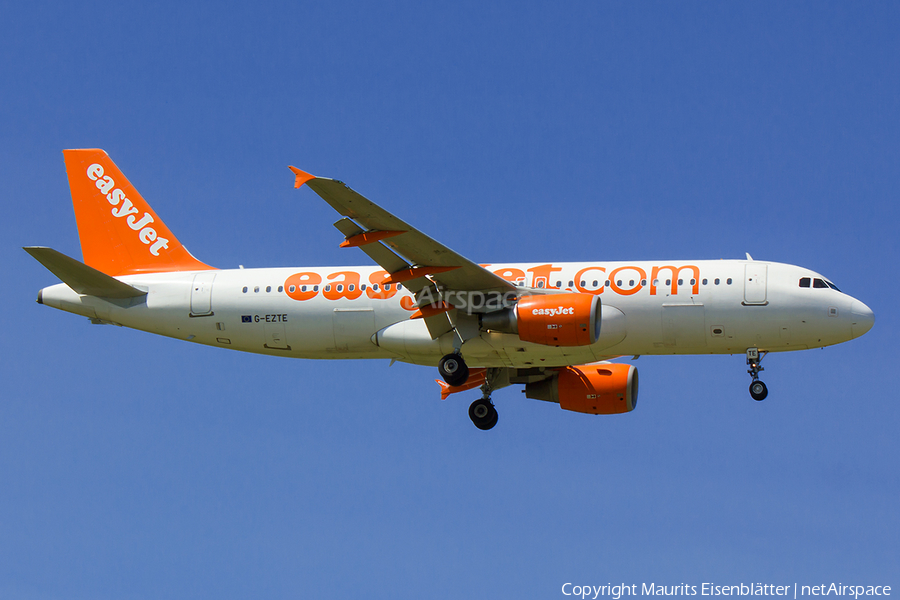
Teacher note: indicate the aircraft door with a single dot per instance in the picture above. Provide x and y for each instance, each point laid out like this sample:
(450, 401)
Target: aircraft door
(201, 294)
(755, 283)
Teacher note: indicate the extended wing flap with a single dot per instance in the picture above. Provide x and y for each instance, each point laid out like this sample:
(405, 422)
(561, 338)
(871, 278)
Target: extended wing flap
(80, 277)
(414, 246)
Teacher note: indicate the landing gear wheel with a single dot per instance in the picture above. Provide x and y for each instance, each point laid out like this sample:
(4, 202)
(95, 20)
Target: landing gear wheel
(483, 414)
(758, 390)
(453, 369)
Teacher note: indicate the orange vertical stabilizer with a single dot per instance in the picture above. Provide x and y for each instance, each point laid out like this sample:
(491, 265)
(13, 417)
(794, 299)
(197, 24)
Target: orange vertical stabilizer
(119, 232)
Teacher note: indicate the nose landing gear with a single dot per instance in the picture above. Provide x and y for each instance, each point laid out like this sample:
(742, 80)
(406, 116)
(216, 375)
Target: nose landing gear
(758, 389)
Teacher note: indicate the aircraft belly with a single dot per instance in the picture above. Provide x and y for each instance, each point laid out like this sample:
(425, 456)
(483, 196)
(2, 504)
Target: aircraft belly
(683, 327)
(353, 329)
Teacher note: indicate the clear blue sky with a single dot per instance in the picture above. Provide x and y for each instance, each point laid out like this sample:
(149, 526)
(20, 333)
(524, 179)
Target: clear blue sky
(133, 466)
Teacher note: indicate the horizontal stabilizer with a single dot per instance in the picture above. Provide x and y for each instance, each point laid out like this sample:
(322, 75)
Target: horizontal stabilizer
(80, 277)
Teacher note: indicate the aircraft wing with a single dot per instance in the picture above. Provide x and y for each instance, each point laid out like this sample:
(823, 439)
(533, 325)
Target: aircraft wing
(398, 247)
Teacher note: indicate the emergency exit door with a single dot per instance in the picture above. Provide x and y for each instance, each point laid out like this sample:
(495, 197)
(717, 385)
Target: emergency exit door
(755, 283)
(201, 294)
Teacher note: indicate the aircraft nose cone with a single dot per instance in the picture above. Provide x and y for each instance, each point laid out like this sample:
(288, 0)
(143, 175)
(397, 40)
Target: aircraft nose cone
(862, 318)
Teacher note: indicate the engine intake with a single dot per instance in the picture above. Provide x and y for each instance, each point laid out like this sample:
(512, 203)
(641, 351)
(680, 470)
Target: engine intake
(604, 389)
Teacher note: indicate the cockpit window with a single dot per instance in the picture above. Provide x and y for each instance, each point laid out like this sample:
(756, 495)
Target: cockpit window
(832, 286)
(818, 283)
(804, 281)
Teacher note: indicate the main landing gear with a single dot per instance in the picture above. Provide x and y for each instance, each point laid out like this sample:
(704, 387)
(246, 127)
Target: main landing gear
(453, 369)
(483, 413)
(455, 372)
(758, 389)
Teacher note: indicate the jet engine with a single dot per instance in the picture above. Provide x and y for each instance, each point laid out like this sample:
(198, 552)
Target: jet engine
(602, 389)
(551, 320)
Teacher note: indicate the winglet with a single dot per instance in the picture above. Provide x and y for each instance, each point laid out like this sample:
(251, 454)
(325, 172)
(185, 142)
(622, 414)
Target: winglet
(301, 176)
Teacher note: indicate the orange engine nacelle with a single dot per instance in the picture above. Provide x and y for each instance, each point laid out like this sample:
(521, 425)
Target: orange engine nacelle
(559, 319)
(605, 389)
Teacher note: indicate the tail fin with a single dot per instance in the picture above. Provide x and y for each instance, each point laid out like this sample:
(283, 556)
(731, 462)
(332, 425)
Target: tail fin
(120, 234)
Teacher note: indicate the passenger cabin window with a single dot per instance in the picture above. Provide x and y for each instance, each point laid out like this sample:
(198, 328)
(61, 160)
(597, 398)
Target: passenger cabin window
(818, 283)
(728, 281)
(245, 289)
(804, 282)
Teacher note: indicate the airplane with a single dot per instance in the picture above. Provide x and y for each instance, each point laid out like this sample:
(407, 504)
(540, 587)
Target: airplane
(552, 327)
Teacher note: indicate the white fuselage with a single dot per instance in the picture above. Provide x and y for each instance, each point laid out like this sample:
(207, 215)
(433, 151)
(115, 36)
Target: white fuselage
(661, 307)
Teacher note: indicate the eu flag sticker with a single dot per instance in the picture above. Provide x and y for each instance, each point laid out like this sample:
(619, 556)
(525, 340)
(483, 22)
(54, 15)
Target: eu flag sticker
(246, 319)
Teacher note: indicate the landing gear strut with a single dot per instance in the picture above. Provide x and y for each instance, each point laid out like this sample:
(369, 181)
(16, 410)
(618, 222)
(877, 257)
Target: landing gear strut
(758, 389)
(453, 369)
(482, 412)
